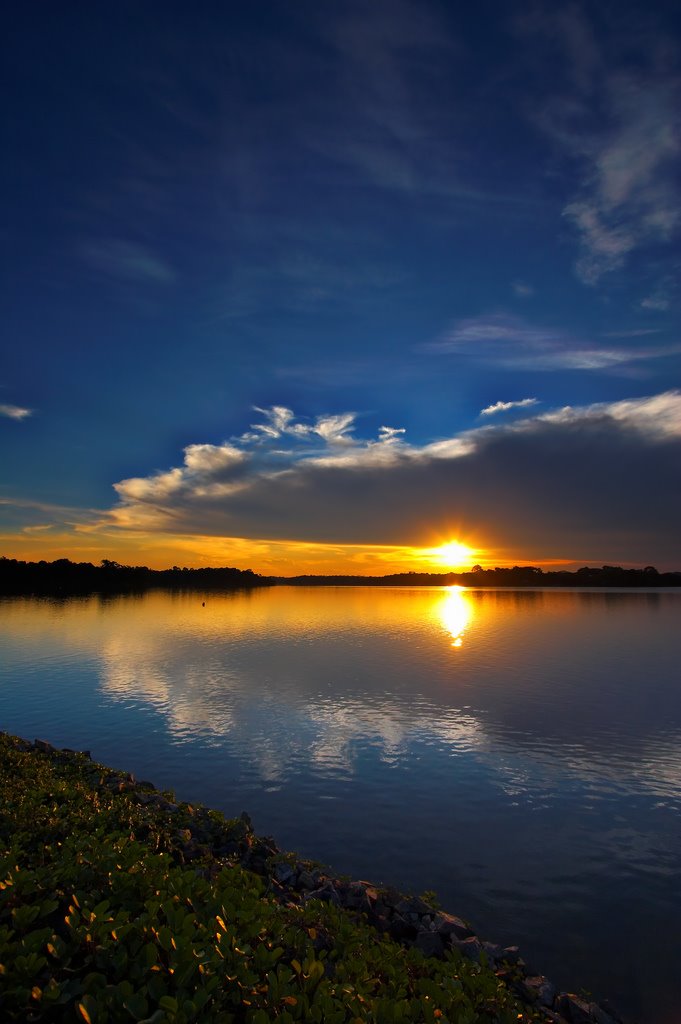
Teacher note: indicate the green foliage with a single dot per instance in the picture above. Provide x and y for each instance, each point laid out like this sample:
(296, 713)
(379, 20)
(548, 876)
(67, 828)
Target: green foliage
(100, 921)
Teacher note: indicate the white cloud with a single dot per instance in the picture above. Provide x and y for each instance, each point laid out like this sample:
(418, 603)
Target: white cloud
(15, 412)
(616, 121)
(206, 472)
(656, 417)
(511, 343)
(491, 410)
(522, 290)
(630, 194)
(211, 458)
(574, 482)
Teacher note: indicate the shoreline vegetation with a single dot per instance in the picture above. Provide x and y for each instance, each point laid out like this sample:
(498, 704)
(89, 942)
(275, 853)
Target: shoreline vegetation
(63, 577)
(119, 904)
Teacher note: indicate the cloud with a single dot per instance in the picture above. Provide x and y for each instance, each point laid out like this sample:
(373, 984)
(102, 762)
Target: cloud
(491, 410)
(15, 412)
(592, 482)
(127, 261)
(522, 290)
(660, 299)
(510, 343)
(616, 122)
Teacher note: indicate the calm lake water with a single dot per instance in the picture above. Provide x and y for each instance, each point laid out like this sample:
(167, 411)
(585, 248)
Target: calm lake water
(517, 751)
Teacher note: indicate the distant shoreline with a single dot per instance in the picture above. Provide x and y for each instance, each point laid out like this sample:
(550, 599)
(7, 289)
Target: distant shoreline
(63, 578)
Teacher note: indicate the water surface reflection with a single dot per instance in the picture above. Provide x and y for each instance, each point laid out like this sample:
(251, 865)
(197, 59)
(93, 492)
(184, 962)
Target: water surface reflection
(520, 752)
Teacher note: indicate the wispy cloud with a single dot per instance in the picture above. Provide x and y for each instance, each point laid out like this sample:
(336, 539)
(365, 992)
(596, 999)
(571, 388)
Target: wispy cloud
(15, 412)
(127, 261)
(491, 410)
(522, 290)
(510, 343)
(660, 299)
(298, 485)
(617, 118)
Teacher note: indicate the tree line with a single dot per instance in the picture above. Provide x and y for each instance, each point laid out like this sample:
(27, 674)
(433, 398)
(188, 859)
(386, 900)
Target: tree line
(516, 576)
(65, 577)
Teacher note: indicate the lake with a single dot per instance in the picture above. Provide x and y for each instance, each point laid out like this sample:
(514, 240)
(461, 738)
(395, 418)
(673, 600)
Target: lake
(518, 752)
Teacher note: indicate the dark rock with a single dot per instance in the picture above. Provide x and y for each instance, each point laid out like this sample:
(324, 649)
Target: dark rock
(284, 872)
(306, 880)
(401, 929)
(607, 1011)
(511, 954)
(448, 925)
(327, 893)
(471, 948)
(539, 989)
(494, 952)
(412, 905)
(573, 1008)
(44, 747)
(429, 943)
(601, 1015)
(356, 897)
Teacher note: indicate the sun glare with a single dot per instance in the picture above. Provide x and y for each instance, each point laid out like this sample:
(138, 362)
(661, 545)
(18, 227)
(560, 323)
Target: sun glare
(455, 611)
(452, 555)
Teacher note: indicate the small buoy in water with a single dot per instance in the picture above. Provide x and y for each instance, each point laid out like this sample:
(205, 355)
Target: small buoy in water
(203, 604)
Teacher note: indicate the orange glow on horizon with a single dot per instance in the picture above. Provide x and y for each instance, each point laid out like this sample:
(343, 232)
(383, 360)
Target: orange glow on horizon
(263, 556)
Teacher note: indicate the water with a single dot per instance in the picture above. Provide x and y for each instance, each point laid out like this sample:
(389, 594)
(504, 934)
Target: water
(517, 751)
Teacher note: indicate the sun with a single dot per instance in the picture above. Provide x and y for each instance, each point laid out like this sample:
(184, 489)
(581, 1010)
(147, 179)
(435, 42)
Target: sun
(452, 555)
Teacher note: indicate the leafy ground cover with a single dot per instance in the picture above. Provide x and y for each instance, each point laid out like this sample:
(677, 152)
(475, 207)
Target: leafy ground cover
(104, 918)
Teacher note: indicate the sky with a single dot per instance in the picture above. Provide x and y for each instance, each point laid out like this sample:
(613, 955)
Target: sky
(328, 287)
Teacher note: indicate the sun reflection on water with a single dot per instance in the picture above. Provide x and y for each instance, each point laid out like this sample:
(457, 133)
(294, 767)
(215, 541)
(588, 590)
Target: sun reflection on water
(455, 612)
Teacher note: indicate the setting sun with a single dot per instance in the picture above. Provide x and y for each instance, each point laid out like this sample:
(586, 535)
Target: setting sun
(452, 555)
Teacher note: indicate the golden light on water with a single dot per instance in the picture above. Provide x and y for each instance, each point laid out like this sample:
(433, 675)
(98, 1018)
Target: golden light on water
(455, 612)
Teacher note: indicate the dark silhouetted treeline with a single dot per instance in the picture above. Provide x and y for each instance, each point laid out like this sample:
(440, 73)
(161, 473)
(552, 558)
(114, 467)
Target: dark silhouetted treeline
(518, 576)
(65, 577)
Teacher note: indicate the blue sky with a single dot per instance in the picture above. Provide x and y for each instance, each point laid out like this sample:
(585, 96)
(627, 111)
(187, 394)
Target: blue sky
(341, 274)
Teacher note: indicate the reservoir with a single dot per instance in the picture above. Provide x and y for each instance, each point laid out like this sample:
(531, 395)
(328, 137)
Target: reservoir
(517, 752)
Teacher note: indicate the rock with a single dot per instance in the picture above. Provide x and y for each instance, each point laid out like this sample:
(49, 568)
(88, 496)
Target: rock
(401, 929)
(327, 893)
(429, 943)
(573, 1008)
(306, 880)
(602, 1015)
(539, 989)
(511, 954)
(44, 747)
(356, 897)
(284, 873)
(413, 905)
(471, 948)
(493, 951)
(608, 1012)
(448, 925)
